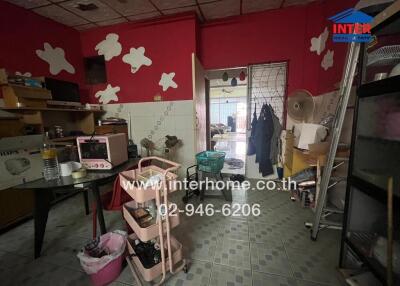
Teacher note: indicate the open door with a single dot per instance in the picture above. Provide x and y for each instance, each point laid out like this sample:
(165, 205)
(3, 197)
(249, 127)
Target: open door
(200, 106)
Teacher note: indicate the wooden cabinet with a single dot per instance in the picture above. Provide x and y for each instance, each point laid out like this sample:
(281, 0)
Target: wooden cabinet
(41, 119)
(15, 205)
(106, 129)
(19, 95)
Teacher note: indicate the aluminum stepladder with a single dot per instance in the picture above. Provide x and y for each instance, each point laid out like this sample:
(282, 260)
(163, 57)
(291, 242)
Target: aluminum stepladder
(327, 180)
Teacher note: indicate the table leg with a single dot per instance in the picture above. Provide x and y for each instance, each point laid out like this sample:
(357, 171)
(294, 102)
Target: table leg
(40, 215)
(86, 200)
(99, 209)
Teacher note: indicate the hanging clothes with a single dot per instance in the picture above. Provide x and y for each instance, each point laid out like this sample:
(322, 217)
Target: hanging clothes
(275, 140)
(263, 134)
(251, 147)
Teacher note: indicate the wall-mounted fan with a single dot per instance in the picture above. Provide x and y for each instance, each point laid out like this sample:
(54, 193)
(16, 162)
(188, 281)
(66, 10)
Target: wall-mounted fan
(300, 106)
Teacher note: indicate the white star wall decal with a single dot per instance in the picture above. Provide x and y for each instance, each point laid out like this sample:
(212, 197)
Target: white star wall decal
(27, 74)
(110, 47)
(136, 59)
(167, 81)
(318, 44)
(55, 57)
(327, 61)
(107, 95)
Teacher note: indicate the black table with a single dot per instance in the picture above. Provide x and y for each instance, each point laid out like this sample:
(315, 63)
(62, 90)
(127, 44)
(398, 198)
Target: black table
(43, 192)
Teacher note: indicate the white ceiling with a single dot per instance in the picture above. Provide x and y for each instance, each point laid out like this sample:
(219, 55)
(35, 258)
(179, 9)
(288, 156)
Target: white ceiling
(109, 12)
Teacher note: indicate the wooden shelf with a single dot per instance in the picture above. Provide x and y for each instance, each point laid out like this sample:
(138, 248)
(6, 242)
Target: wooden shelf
(25, 86)
(70, 119)
(49, 109)
(64, 139)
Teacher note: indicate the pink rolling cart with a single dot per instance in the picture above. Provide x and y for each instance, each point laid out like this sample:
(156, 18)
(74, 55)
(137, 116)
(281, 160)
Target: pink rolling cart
(160, 230)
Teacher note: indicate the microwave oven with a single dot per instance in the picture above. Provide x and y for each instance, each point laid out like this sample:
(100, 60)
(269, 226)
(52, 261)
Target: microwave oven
(102, 152)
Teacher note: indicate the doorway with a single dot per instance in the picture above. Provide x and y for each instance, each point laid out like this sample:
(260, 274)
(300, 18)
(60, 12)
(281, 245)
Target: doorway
(267, 86)
(228, 116)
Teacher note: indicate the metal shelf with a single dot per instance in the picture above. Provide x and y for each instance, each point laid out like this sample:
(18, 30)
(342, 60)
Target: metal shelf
(380, 87)
(381, 140)
(373, 265)
(384, 56)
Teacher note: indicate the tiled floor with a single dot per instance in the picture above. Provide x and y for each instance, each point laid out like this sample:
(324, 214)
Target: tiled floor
(272, 249)
(234, 145)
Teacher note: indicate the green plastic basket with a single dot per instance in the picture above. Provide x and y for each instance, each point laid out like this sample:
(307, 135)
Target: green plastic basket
(210, 161)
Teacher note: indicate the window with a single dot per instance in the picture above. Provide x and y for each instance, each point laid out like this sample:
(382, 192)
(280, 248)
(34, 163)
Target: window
(267, 84)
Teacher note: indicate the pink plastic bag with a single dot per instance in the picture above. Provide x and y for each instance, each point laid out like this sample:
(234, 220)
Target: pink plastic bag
(114, 242)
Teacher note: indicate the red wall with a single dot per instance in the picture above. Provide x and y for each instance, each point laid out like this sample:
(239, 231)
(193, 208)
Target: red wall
(23, 32)
(277, 35)
(168, 43)
(334, 75)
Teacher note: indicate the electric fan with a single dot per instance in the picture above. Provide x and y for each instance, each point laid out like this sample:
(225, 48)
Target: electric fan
(300, 106)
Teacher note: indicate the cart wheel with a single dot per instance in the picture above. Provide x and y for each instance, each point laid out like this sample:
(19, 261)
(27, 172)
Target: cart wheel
(185, 268)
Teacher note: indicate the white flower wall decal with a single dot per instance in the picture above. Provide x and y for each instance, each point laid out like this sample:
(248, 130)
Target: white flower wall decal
(136, 59)
(26, 74)
(55, 57)
(167, 81)
(318, 44)
(107, 95)
(327, 61)
(110, 47)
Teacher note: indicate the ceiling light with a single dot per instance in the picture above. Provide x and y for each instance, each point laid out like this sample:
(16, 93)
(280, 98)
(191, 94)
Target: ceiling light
(87, 7)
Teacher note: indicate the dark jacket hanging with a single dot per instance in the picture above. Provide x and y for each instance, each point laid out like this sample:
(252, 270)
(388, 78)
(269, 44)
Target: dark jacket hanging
(251, 148)
(263, 135)
(275, 140)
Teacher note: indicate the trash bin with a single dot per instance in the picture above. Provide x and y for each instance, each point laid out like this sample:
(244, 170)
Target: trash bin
(102, 258)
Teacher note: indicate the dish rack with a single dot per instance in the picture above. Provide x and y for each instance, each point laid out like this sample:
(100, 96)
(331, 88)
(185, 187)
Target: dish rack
(387, 55)
(134, 183)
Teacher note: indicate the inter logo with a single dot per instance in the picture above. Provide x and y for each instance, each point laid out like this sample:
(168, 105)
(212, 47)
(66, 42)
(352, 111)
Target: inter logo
(351, 26)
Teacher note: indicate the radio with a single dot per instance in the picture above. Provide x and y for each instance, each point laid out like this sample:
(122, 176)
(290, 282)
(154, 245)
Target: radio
(102, 152)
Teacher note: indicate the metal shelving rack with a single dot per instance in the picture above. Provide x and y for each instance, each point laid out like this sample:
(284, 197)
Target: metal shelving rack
(172, 260)
(371, 225)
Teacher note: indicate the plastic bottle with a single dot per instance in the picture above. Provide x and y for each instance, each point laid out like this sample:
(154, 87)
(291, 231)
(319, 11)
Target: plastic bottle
(50, 161)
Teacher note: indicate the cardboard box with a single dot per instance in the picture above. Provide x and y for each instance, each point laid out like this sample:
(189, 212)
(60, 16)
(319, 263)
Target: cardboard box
(308, 133)
(17, 167)
(319, 148)
(20, 160)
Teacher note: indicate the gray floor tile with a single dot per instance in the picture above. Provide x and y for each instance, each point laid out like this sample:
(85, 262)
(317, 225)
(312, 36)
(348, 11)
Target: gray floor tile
(274, 246)
(269, 260)
(10, 260)
(234, 229)
(198, 275)
(265, 233)
(313, 270)
(234, 253)
(126, 276)
(63, 251)
(40, 274)
(263, 279)
(229, 276)
(308, 283)
(200, 245)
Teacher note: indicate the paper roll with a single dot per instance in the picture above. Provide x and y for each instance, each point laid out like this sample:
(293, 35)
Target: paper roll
(66, 169)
